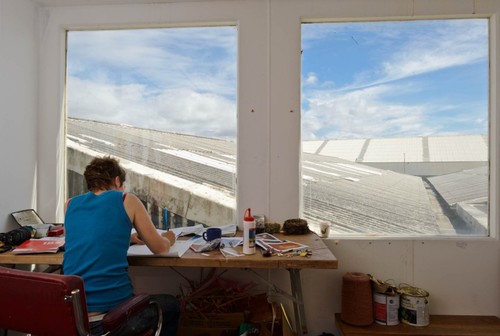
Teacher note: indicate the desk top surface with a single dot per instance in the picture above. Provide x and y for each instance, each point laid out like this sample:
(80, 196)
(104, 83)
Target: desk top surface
(321, 258)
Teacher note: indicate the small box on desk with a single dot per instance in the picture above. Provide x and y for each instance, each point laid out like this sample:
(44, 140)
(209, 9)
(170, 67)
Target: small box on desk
(56, 231)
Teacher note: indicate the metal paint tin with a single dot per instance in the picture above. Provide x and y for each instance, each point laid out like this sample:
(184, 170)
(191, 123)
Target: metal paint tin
(414, 306)
(386, 309)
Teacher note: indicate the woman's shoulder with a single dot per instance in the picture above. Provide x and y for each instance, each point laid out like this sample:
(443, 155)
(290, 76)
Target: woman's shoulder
(76, 198)
(130, 198)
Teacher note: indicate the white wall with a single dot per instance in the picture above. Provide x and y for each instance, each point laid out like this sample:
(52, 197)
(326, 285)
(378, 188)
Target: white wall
(462, 276)
(18, 108)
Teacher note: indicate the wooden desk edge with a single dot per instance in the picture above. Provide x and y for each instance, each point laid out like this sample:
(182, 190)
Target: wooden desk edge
(231, 262)
(322, 258)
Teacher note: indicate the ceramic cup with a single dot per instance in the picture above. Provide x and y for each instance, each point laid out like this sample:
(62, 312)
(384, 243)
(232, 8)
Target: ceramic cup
(324, 229)
(212, 233)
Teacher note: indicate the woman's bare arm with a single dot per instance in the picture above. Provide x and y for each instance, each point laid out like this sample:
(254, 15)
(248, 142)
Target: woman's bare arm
(146, 231)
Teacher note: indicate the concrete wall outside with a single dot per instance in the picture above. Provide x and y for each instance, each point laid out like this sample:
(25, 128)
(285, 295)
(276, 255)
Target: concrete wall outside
(154, 191)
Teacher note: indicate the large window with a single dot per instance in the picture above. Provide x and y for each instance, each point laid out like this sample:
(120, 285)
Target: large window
(395, 127)
(155, 99)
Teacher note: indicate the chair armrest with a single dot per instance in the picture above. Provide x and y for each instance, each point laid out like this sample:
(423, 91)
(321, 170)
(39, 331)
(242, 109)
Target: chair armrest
(117, 316)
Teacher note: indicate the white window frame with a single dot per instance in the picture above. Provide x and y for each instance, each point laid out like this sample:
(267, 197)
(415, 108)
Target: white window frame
(489, 131)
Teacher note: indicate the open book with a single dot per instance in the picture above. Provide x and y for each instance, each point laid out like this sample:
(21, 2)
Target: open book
(176, 251)
(42, 245)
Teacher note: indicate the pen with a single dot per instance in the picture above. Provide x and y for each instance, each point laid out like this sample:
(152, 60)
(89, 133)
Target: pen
(166, 222)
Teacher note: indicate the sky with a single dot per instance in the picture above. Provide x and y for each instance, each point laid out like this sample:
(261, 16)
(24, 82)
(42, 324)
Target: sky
(180, 80)
(359, 80)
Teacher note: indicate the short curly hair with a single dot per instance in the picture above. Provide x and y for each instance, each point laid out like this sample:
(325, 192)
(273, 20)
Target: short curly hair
(101, 171)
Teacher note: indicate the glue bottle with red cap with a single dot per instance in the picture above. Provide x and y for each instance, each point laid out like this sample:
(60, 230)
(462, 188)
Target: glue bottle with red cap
(248, 233)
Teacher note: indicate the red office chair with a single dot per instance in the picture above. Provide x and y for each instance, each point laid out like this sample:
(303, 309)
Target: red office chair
(47, 304)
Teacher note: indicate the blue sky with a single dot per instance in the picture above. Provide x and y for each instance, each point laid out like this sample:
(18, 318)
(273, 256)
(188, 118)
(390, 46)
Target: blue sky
(359, 80)
(394, 79)
(181, 80)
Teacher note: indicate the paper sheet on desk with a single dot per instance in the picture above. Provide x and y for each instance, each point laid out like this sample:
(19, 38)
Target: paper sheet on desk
(228, 230)
(176, 251)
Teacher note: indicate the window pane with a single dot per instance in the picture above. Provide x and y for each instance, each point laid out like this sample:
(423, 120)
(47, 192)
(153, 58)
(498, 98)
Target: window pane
(395, 127)
(155, 99)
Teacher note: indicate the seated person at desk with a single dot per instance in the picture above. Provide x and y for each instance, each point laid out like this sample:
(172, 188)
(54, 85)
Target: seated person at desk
(98, 225)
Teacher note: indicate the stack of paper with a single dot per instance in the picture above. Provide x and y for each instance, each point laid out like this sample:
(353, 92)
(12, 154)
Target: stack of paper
(176, 251)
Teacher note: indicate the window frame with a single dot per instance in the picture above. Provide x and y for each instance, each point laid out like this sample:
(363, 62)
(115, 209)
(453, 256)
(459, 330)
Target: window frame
(188, 200)
(490, 228)
(268, 166)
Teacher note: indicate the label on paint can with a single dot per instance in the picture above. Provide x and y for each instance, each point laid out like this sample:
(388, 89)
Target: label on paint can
(414, 306)
(386, 308)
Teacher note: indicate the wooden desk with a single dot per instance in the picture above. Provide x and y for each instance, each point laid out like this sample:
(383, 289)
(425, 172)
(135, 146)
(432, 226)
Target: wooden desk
(449, 325)
(322, 258)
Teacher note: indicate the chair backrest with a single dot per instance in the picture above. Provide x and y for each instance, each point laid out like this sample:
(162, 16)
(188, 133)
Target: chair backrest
(42, 303)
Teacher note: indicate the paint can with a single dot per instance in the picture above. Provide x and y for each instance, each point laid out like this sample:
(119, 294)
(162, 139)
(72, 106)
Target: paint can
(386, 309)
(414, 306)
(385, 302)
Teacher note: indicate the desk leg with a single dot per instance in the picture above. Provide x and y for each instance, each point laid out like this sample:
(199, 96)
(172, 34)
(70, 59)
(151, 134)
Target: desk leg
(298, 302)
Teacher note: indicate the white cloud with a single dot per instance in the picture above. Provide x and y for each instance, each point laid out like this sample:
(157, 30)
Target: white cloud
(311, 79)
(361, 114)
(176, 110)
(181, 80)
(372, 103)
(452, 45)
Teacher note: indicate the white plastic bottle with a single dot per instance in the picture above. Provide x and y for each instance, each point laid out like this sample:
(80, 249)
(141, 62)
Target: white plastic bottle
(248, 233)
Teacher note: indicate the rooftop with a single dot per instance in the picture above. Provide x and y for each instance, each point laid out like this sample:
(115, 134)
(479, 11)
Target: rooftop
(355, 197)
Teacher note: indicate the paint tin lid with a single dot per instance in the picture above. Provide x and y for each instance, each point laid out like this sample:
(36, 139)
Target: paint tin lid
(413, 291)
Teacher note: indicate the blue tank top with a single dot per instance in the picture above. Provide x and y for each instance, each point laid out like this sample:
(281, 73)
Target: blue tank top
(97, 230)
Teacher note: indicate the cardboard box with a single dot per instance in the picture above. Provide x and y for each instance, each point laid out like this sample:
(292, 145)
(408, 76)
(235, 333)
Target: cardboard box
(218, 324)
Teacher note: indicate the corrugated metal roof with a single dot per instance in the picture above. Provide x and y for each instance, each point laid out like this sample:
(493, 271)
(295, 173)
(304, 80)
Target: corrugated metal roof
(465, 186)
(161, 150)
(456, 148)
(345, 149)
(394, 150)
(366, 200)
(355, 197)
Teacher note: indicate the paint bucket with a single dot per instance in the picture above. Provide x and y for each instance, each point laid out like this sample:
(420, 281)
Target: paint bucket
(414, 306)
(386, 309)
(385, 302)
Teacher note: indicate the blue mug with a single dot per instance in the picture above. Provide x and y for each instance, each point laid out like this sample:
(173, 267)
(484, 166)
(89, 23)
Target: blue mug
(212, 233)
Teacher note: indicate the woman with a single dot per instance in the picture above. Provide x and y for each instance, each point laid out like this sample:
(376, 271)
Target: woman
(98, 226)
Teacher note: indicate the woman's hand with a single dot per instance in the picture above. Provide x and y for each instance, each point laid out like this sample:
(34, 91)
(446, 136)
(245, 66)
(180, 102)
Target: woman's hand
(147, 233)
(135, 239)
(170, 236)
